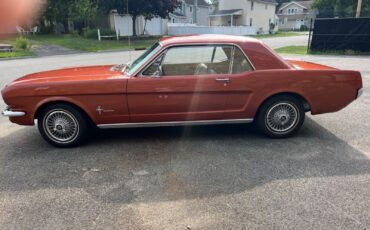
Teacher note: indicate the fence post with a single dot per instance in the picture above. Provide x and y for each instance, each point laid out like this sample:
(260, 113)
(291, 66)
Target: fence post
(99, 38)
(309, 36)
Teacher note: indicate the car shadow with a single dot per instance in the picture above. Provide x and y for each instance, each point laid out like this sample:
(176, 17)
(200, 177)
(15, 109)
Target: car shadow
(158, 164)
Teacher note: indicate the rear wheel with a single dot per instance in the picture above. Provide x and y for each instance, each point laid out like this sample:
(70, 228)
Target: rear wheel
(281, 116)
(62, 125)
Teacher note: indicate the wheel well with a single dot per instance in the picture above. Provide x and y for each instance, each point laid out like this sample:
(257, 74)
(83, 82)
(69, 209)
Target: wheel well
(305, 103)
(42, 107)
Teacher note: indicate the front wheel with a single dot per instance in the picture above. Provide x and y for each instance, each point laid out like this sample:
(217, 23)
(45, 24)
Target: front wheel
(281, 116)
(62, 125)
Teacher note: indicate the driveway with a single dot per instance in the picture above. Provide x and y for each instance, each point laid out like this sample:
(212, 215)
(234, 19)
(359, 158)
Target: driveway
(214, 177)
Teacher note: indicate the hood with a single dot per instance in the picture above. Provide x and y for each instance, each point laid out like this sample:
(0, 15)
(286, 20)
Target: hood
(73, 74)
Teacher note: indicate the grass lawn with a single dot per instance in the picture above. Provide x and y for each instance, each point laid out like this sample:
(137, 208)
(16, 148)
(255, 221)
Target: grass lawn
(93, 45)
(302, 50)
(292, 50)
(279, 34)
(21, 53)
(16, 52)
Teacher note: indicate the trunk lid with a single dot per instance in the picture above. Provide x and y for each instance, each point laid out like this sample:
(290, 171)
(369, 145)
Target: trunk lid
(303, 65)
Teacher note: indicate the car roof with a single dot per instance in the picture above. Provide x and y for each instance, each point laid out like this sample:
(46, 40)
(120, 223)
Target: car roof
(206, 38)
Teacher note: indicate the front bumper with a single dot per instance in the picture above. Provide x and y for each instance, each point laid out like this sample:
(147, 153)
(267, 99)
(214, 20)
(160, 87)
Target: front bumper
(9, 113)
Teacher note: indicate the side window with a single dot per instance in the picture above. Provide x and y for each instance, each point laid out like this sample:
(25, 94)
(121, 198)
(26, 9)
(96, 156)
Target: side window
(187, 60)
(221, 59)
(241, 64)
(192, 60)
(155, 69)
(199, 60)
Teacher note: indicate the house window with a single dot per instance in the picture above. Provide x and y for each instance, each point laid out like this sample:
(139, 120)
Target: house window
(251, 22)
(191, 9)
(252, 5)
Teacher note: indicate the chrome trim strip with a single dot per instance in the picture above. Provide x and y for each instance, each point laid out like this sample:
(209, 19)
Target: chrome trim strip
(9, 113)
(174, 123)
(359, 93)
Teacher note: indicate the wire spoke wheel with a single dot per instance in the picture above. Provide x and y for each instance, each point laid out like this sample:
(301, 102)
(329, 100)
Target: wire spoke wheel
(61, 126)
(282, 117)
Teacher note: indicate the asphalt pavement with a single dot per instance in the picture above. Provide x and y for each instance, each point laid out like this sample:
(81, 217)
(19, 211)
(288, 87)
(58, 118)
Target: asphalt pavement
(213, 177)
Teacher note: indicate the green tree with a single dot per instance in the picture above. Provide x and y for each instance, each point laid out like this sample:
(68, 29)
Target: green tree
(339, 8)
(83, 11)
(63, 11)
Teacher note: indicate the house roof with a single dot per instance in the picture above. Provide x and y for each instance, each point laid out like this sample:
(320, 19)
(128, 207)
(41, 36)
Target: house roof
(304, 4)
(227, 12)
(200, 2)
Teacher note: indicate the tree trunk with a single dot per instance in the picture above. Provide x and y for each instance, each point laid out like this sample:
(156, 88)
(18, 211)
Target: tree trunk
(66, 26)
(134, 25)
(145, 25)
(359, 7)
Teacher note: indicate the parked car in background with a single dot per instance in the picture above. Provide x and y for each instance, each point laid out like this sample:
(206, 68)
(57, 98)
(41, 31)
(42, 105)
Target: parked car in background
(188, 80)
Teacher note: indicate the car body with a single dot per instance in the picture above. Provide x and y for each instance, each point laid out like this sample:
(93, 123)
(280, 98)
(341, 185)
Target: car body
(199, 79)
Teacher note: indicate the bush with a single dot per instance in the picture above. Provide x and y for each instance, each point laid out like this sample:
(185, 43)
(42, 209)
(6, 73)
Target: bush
(74, 33)
(21, 43)
(350, 52)
(93, 33)
(303, 28)
(46, 29)
(89, 33)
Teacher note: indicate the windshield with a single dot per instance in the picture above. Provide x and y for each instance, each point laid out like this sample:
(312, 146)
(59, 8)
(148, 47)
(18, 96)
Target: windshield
(143, 58)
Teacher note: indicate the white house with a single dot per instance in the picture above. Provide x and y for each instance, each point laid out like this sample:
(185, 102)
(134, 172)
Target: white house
(293, 15)
(193, 12)
(255, 13)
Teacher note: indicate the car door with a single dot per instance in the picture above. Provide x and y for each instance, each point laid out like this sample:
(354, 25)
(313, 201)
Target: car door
(183, 84)
(241, 87)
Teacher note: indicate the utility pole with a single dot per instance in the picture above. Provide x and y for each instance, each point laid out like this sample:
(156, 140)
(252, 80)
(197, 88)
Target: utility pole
(359, 6)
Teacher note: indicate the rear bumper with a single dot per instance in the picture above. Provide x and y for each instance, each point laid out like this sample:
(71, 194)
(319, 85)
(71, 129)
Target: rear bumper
(9, 113)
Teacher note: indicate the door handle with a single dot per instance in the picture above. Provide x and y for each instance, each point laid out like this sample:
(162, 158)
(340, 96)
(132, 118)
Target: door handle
(227, 80)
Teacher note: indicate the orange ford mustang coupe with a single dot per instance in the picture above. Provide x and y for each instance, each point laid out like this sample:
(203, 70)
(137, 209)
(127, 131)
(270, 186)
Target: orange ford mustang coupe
(189, 80)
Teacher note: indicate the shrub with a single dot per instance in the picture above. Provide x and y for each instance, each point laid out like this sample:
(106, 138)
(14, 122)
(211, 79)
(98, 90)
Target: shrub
(89, 33)
(21, 43)
(74, 33)
(93, 33)
(349, 52)
(303, 28)
(46, 29)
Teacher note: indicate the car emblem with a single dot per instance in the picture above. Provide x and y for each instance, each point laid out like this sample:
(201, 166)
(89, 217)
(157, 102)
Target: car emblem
(100, 110)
